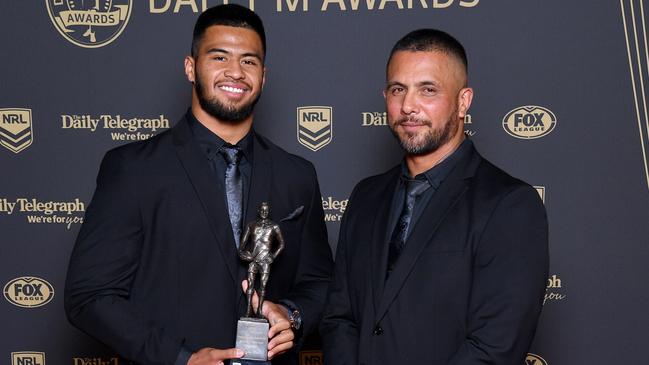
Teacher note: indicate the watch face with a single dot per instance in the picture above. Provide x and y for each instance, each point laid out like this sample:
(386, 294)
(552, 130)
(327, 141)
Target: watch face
(296, 320)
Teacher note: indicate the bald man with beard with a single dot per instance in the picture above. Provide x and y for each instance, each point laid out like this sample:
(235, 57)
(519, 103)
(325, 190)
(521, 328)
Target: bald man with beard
(443, 259)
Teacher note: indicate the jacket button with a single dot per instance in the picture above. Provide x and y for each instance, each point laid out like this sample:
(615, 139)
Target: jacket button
(378, 330)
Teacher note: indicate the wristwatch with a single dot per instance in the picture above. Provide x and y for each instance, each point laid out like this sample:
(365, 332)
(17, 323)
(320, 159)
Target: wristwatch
(294, 316)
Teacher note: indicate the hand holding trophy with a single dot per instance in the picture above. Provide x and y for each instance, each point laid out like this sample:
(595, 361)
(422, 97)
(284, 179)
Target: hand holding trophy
(256, 248)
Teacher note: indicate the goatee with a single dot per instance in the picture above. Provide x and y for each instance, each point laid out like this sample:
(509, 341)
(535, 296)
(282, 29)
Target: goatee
(431, 141)
(221, 111)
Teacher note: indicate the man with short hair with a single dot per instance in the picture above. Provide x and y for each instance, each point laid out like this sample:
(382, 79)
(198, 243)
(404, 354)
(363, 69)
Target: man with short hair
(443, 259)
(155, 272)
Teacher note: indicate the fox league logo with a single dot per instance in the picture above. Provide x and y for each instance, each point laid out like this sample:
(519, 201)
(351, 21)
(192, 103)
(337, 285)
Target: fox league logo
(89, 23)
(16, 129)
(529, 122)
(314, 126)
(28, 292)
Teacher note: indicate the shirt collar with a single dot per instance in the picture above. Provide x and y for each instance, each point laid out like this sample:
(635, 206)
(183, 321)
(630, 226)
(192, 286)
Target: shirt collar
(210, 142)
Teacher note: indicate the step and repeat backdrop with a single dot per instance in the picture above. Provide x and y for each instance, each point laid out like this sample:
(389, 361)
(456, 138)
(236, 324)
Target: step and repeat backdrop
(560, 102)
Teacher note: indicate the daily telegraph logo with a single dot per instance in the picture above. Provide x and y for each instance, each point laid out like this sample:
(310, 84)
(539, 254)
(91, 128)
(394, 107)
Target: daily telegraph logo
(553, 290)
(38, 211)
(16, 132)
(333, 208)
(95, 361)
(530, 121)
(533, 359)
(89, 23)
(374, 119)
(314, 126)
(27, 358)
(468, 122)
(377, 119)
(120, 128)
(28, 292)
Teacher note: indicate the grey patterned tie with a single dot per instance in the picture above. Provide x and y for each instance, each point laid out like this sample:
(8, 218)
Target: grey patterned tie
(400, 233)
(233, 188)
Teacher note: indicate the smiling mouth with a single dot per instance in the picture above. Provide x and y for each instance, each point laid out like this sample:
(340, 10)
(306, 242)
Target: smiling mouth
(232, 89)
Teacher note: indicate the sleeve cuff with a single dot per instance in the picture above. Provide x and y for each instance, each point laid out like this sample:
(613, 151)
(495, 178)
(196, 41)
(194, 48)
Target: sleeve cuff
(183, 356)
(290, 305)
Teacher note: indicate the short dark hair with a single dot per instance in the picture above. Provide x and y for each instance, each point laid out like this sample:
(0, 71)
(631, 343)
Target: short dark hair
(428, 40)
(231, 15)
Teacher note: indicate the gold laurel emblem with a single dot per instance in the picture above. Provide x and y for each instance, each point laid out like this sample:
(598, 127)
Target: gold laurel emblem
(530, 121)
(533, 359)
(89, 23)
(314, 126)
(27, 358)
(16, 132)
(635, 35)
(311, 358)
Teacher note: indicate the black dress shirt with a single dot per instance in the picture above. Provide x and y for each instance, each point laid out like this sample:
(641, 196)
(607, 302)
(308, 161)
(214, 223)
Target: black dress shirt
(435, 175)
(210, 144)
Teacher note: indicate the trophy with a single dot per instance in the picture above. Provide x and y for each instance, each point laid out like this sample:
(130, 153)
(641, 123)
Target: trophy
(256, 248)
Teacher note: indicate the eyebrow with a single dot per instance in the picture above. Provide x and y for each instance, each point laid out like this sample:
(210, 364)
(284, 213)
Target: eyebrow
(221, 50)
(428, 83)
(419, 84)
(393, 83)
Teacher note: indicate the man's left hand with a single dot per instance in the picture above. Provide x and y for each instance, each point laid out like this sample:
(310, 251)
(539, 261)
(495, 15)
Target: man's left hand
(280, 334)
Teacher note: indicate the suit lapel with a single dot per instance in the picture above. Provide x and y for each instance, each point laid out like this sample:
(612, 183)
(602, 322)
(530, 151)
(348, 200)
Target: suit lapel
(213, 203)
(447, 195)
(259, 191)
(379, 245)
(260, 180)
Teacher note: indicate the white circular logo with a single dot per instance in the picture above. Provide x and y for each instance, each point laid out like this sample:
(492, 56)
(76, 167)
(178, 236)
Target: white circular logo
(530, 121)
(28, 292)
(89, 23)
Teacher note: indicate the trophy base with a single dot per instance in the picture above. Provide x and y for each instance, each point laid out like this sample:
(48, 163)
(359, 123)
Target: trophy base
(249, 362)
(252, 338)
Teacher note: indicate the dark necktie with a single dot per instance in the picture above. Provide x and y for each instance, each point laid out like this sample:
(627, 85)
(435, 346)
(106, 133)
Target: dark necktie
(400, 233)
(233, 188)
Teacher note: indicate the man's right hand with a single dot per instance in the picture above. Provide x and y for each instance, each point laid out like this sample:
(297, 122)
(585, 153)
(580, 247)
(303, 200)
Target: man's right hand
(211, 356)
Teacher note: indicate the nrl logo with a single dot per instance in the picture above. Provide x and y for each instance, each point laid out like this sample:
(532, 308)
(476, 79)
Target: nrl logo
(89, 23)
(314, 126)
(27, 358)
(16, 129)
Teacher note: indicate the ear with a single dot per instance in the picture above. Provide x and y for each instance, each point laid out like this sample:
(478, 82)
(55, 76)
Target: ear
(464, 98)
(263, 77)
(385, 94)
(189, 69)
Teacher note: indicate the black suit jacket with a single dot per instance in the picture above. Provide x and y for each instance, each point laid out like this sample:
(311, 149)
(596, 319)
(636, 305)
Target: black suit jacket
(467, 288)
(155, 265)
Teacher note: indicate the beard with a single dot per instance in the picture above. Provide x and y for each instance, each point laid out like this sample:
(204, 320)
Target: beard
(428, 141)
(221, 111)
